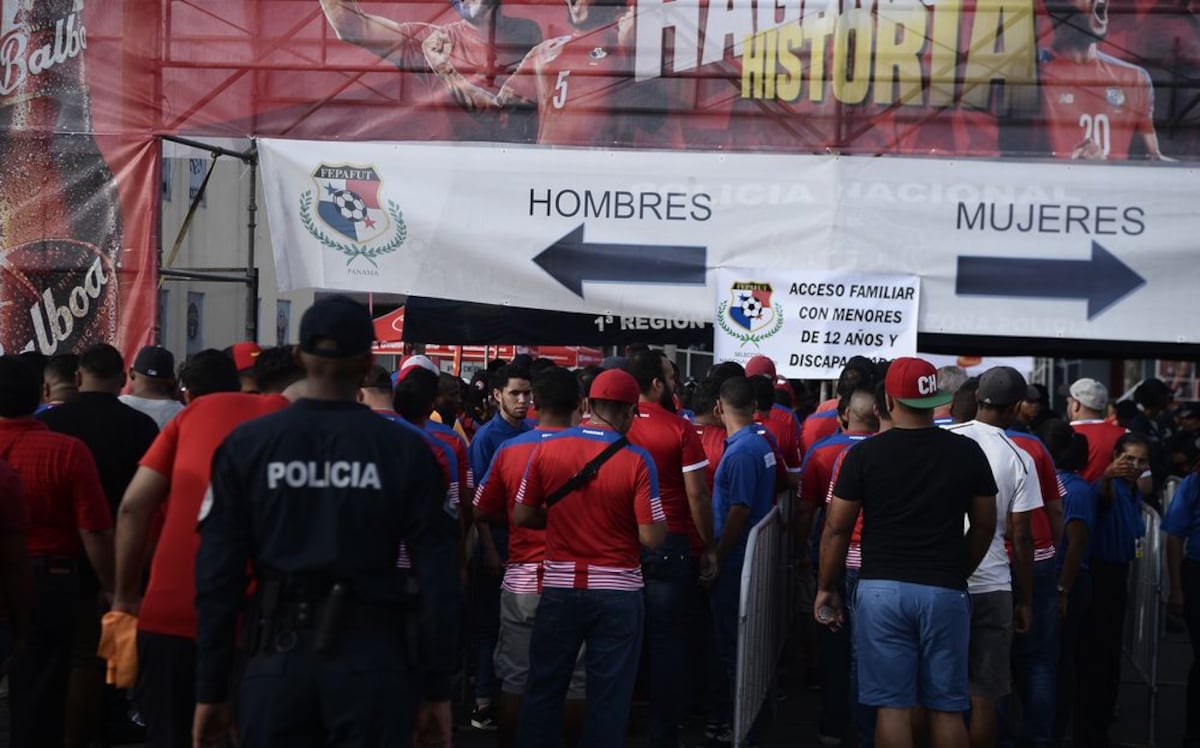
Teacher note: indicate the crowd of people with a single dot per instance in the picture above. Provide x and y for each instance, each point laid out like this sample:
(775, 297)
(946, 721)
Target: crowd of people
(300, 547)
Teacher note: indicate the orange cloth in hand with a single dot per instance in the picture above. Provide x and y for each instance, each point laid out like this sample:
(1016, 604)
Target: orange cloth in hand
(118, 645)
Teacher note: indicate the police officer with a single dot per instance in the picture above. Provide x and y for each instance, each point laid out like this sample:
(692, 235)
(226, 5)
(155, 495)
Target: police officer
(316, 499)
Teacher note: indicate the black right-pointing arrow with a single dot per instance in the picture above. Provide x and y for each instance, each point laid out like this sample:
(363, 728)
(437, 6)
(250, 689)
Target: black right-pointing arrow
(1102, 280)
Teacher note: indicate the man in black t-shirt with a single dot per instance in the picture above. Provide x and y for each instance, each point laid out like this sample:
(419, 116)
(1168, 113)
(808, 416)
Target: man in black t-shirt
(914, 485)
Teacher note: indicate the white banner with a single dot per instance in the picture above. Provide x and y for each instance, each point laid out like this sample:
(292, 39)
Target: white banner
(811, 323)
(1031, 250)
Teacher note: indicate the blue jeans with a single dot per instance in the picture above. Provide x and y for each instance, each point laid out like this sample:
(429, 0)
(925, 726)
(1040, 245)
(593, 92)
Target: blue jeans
(864, 716)
(671, 578)
(610, 622)
(1035, 666)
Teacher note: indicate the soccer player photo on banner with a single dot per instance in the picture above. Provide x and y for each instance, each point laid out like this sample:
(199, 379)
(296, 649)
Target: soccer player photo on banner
(811, 322)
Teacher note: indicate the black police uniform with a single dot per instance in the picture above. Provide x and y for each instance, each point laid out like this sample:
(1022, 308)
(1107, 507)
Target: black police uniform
(318, 497)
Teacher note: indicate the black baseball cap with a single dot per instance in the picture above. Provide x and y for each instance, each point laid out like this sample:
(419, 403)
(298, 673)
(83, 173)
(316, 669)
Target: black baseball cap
(154, 361)
(1002, 385)
(338, 327)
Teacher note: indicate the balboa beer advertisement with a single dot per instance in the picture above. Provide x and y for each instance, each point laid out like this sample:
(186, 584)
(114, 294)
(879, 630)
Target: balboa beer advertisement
(76, 197)
(86, 86)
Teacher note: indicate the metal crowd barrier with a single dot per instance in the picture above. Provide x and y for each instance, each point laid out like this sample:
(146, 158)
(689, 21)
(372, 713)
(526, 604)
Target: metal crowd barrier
(762, 620)
(1143, 613)
(1168, 492)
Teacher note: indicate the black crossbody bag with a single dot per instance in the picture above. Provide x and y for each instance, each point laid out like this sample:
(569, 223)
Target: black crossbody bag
(586, 473)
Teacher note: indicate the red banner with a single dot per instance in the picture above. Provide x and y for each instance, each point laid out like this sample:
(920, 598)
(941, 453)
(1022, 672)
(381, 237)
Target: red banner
(986, 78)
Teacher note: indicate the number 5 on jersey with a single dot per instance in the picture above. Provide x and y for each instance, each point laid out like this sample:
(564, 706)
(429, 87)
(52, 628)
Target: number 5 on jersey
(560, 90)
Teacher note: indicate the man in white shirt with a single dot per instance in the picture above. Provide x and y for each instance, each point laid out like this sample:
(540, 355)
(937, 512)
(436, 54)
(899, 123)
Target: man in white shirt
(993, 617)
(152, 385)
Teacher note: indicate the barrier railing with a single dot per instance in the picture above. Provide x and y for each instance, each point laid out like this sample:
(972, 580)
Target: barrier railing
(1142, 614)
(762, 620)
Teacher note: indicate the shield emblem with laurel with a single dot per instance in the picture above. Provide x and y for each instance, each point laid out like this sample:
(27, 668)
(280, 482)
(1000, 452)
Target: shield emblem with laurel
(348, 201)
(750, 306)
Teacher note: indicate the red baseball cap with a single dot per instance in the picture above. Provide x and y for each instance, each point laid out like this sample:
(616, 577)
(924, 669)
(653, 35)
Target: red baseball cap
(913, 381)
(617, 385)
(760, 365)
(244, 354)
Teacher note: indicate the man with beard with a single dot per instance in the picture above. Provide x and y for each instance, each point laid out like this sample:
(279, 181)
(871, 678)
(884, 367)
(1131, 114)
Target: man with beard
(577, 81)
(1094, 106)
(485, 45)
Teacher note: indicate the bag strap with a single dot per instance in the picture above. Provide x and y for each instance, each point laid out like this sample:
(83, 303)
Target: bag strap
(587, 472)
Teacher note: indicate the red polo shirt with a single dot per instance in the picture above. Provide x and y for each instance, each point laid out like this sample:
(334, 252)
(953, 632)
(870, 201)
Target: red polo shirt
(62, 487)
(497, 493)
(592, 534)
(13, 516)
(1102, 439)
(183, 453)
(672, 444)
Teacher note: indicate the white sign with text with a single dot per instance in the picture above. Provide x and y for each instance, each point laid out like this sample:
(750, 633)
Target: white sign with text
(812, 322)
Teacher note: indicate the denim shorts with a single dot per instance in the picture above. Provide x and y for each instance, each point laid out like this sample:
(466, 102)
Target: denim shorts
(912, 643)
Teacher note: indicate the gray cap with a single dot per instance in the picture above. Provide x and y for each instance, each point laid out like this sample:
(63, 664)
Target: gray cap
(1001, 385)
(1090, 393)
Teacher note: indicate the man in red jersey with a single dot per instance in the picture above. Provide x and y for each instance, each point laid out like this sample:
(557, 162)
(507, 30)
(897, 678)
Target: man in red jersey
(671, 571)
(580, 83)
(1086, 400)
(172, 478)
(778, 412)
(592, 579)
(69, 525)
(1093, 106)
(485, 46)
(557, 394)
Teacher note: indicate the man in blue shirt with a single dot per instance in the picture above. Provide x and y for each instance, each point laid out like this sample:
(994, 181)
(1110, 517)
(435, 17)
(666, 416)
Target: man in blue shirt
(512, 390)
(1182, 525)
(743, 494)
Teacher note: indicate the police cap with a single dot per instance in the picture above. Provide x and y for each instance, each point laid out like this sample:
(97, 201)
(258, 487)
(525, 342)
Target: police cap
(338, 327)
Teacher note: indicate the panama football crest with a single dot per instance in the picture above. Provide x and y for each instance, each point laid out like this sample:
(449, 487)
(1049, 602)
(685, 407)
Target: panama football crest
(349, 203)
(1114, 96)
(749, 315)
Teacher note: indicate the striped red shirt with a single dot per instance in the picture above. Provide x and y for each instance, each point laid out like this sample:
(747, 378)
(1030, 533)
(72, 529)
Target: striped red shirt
(497, 493)
(592, 534)
(854, 550)
(1052, 490)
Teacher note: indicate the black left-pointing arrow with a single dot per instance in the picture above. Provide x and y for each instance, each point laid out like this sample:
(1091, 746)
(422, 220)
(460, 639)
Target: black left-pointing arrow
(571, 261)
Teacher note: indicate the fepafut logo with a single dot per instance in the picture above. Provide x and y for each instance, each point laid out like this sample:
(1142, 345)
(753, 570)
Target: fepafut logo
(748, 315)
(349, 202)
